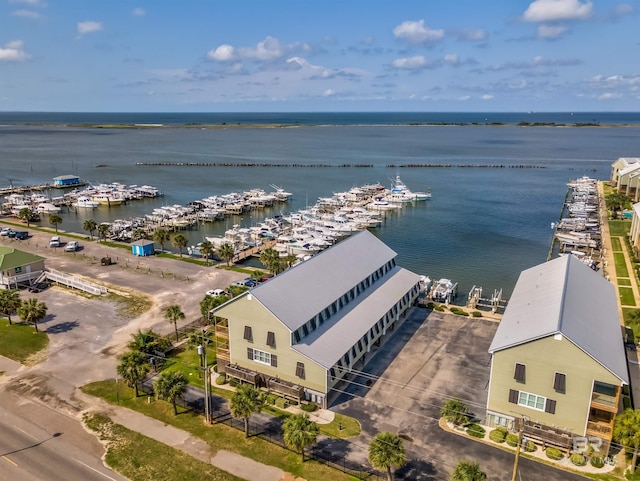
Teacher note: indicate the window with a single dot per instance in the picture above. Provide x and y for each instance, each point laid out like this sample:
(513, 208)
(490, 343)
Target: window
(18, 270)
(305, 329)
(532, 401)
(261, 356)
(312, 323)
(296, 335)
(271, 339)
(519, 374)
(274, 360)
(300, 370)
(247, 333)
(560, 382)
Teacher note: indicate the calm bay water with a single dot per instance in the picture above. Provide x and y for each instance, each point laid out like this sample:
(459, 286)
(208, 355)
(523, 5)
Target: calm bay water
(482, 226)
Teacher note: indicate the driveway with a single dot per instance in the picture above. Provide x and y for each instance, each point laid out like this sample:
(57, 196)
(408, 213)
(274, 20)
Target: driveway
(433, 357)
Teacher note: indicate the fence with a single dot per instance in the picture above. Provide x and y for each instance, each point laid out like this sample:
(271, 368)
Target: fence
(272, 433)
(75, 282)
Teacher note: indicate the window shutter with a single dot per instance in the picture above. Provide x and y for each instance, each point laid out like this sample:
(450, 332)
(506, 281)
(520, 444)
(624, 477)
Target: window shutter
(513, 396)
(520, 373)
(271, 339)
(300, 370)
(250, 353)
(550, 407)
(274, 360)
(247, 333)
(560, 382)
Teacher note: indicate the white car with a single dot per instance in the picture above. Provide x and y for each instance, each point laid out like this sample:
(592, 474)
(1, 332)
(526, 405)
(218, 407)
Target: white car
(71, 246)
(5, 231)
(55, 241)
(216, 292)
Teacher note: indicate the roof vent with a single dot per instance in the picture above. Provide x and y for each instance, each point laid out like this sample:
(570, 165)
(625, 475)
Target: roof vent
(557, 337)
(249, 297)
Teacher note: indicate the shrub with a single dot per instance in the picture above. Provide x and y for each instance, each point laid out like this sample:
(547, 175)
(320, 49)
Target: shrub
(529, 446)
(597, 461)
(455, 411)
(458, 311)
(554, 453)
(512, 440)
(281, 403)
(476, 314)
(233, 382)
(271, 399)
(578, 459)
(309, 407)
(498, 435)
(438, 308)
(430, 305)
(475, 430)
(221, 379)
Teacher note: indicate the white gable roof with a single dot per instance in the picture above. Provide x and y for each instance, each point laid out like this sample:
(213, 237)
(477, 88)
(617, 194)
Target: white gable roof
(564, 296)
(301, 292)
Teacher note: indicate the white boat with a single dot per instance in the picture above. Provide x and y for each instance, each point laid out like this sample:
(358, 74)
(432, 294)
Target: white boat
(444, 290)
(108, 198)
(47, 208)
(85, 202)
(401, 193)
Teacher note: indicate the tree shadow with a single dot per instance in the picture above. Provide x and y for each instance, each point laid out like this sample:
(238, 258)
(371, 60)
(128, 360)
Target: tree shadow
(418, 470)
(62, 327)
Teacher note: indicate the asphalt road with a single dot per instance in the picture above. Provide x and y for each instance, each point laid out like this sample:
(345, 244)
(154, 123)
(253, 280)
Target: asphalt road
(40, 444)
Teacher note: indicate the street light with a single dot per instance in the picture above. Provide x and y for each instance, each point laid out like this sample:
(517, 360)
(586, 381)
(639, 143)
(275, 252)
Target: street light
(202, 352)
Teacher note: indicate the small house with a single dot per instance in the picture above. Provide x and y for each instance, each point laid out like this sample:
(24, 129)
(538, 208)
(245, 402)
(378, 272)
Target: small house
(66, 181)
(18, 267)
(143, 247)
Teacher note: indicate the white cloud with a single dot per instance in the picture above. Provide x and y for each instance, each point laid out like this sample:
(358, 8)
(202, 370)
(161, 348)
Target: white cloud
(26, 14)
(223, 53)
(609, 96)
(88, 27)
(328, 93)
(486, 97)
(138, 12)
(464, 97)
(269, 49)
(416, 32)
(555, 10)
(13, 52)
(472, 34)
(551, 31)
(410, 63)
(452, 58)
(33, 3)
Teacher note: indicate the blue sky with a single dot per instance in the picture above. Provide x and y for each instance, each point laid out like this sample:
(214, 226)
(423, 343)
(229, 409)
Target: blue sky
(317, 55)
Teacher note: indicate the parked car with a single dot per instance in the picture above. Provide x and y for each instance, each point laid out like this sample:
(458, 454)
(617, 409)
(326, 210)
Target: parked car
(40, 286)
(55, 241)
(215, 292)
(22, 234)
(5, 231)
(71, 246)
(11, 233)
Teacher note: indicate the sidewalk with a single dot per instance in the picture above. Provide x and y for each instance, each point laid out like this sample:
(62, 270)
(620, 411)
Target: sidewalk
(230, 462)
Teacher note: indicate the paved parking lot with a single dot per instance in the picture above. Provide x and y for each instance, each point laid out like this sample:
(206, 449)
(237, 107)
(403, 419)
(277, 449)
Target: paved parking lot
(433, 357)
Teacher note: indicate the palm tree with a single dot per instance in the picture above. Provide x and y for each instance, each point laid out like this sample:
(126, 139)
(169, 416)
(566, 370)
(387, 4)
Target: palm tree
(300, 432)
(386, 451)
(270, 258)
(455, 411)
(289, 260)
(27, 215)
(174, 314)
(9, 302)
(103, 231)
(31, 311)
(466, 471)
(626, 431)
(244, 402)
(206, 249)
(55, 220)
(180, 241)
(226, 252)
(161, 236)
(90, 226)
(149, 342)
(133, 368)
(138, 234)
(170, 386)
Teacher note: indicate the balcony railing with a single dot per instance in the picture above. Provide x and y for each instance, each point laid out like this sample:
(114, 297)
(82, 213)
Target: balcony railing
(599, 428)
(603, 401)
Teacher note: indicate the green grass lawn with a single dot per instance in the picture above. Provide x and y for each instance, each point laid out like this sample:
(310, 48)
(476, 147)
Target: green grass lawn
(187, 362)
(624, 282)
(619, 228)
(20, 341)
(140, 458)
(218, 436)
(621, 264)
(616, 245)
(626, 296)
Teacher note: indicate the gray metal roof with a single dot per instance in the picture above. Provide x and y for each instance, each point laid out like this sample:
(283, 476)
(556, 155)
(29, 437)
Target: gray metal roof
(299, 293)
(564, 296)
(327, 344)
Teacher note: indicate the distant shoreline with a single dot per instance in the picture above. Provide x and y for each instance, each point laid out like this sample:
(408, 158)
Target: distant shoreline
(224, 125)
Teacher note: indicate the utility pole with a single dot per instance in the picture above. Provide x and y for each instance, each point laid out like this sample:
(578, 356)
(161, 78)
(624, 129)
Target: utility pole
(515, 462)
(202, 351)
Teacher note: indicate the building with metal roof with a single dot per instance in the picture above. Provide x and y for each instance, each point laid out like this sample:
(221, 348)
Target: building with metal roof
(625, 176)
(303, 331)
(18, 267)
(558, 360)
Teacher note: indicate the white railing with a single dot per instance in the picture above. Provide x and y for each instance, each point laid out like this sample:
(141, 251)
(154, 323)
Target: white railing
(75, 282)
